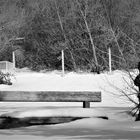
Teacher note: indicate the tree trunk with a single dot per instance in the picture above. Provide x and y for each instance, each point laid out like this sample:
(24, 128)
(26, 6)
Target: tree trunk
(66, 40)
(90, 36)
(138, 116)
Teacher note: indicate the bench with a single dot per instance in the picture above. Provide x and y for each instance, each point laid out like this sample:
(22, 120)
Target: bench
(51, 96)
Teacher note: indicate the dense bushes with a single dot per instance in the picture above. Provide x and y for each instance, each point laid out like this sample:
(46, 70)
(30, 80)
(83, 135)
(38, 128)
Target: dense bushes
(84, 29)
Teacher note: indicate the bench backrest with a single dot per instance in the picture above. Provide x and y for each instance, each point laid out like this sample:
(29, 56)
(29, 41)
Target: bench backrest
(50, 96)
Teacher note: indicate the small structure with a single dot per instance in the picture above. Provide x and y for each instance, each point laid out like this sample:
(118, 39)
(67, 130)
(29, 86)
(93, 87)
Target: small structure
(6, 66)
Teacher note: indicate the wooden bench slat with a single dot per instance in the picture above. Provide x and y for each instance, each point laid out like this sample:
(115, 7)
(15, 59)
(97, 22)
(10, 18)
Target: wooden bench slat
(50, 96)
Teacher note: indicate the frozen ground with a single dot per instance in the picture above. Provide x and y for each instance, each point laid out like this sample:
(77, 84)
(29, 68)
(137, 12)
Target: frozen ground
(119, 126)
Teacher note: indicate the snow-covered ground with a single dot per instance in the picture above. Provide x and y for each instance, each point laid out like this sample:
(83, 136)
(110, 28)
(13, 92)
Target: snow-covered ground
(119, 126)
(53, 81)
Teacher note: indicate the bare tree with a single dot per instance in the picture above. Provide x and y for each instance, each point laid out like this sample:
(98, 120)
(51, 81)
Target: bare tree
(83, 12)
(66, 44)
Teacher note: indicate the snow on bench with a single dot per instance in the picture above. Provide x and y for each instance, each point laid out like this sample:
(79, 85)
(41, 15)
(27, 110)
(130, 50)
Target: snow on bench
(51, 96)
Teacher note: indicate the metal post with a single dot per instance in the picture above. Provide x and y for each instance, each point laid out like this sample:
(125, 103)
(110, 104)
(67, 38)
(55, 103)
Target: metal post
(6, 67)
(109, 53)
(63, 68)
(14, 60)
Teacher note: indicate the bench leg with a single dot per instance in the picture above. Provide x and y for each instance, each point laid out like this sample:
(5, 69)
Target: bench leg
(86, 104)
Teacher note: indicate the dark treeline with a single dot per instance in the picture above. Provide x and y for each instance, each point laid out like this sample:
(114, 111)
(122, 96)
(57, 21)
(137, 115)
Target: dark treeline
(83, 28)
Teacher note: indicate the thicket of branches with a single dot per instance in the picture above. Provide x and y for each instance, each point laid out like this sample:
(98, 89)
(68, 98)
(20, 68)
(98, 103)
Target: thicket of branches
(84, 28)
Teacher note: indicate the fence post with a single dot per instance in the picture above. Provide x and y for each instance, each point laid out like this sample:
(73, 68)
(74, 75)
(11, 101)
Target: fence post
(63, 67)
(14, 60)
(109, 53)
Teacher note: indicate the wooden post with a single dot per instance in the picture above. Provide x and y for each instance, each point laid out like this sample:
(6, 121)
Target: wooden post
(14, 60)
(109, 53)
(6, 67)
(63, 67)
(86, 104)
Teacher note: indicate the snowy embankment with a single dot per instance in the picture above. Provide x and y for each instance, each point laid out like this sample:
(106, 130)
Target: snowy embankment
(92, 126)
(119, 124)
(69, 112)
(53, 81)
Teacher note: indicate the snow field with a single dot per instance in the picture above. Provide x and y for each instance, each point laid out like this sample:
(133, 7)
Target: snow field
(109, 85)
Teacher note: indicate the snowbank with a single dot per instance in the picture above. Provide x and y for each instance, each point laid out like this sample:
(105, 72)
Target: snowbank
(63, 112)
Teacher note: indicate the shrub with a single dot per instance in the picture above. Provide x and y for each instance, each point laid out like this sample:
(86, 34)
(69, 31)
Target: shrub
(5, 78)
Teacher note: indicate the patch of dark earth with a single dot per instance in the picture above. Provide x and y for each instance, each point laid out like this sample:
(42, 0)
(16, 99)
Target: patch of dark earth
(11, 122)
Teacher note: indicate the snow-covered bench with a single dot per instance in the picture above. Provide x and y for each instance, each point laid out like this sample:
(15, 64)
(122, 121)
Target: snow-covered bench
(51, 96)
